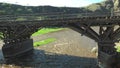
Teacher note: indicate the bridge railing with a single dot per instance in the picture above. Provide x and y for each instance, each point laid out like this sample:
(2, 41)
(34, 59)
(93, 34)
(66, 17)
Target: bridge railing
(48, 16)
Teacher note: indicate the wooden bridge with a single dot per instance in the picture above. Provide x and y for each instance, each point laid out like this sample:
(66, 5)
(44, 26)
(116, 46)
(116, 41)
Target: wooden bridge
(17, 29)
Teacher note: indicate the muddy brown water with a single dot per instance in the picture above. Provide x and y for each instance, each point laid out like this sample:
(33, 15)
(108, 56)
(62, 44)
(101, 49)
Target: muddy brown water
(71, 50)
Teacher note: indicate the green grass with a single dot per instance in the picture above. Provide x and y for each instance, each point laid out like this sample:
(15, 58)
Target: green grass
(117, 48)
(44, 42)
(45, 31)
(1, 35)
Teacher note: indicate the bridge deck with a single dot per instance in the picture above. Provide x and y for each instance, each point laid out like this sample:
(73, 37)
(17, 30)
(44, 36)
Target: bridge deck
(93, 21)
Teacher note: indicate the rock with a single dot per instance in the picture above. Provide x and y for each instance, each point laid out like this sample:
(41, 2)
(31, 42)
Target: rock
(95, 50)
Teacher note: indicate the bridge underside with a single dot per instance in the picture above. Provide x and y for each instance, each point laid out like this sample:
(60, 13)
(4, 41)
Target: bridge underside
(17, 36)
(17, 40)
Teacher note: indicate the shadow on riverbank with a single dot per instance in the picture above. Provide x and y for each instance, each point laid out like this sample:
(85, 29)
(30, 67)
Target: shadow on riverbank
(42, 59)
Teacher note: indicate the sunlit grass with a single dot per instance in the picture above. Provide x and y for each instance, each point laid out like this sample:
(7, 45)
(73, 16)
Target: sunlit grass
(117, 47)
(44, 42)
(46, 30)
(1, 35)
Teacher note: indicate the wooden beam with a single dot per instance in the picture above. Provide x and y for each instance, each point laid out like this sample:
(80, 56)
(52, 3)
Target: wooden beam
(89, 30)
(116, 32)
(82, 31)
(107, 33)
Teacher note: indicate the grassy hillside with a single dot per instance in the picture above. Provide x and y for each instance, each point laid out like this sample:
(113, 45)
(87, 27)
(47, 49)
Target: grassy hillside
(6, 8)
(18, 9)
(104, 6)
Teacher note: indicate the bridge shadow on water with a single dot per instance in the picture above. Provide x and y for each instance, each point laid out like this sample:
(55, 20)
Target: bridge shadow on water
(42, 59)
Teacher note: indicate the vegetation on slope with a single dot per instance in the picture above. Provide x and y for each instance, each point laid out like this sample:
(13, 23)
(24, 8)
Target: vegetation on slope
(46, 30)
(18, 9)
(104, 6)
(44, 42)
(1, 35)
(117, 47)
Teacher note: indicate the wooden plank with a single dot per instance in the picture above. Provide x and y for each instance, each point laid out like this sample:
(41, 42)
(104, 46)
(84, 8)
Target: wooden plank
(82, 31)
(91, 31)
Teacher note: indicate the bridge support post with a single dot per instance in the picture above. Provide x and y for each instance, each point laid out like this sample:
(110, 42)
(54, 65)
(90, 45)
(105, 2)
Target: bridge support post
(17, 49)
(106, 37)
(107, 55)
(17, 41)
